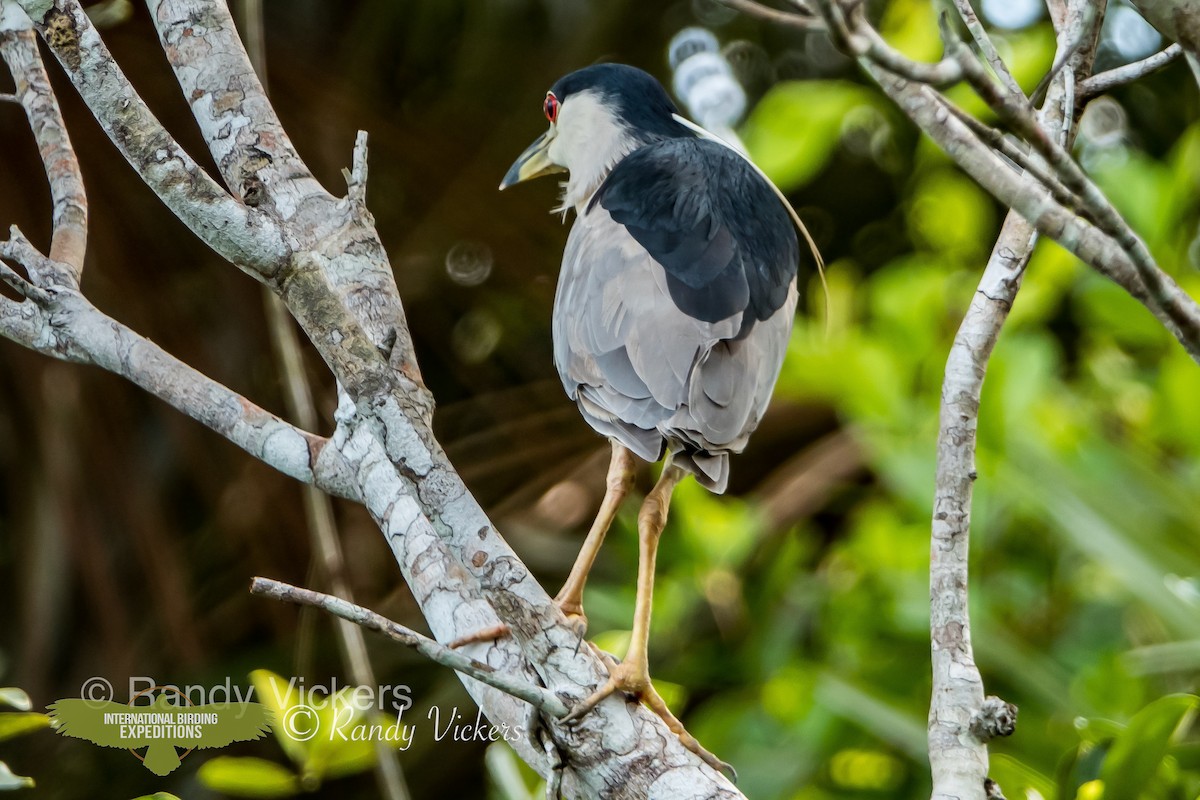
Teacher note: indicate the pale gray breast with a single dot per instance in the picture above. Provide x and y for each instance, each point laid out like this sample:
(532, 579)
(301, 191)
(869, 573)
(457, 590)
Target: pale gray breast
(645, 372)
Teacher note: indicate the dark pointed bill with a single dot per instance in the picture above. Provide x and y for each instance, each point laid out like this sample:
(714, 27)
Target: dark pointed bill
(533, 163)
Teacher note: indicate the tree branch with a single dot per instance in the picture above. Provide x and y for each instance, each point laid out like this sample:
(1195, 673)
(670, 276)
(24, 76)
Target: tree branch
(801, 21)
(961, 720)
(64, 325)
(539, 697)
(334, 238)
(1107, 81)
(985, 44)
(19, 49)
(1079, 236)
(958, 761)
(1164, 295)
(250, 239)
(853, 34)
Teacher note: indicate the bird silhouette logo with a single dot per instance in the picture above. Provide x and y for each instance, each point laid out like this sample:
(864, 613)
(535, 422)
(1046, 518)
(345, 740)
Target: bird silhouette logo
(163, 727)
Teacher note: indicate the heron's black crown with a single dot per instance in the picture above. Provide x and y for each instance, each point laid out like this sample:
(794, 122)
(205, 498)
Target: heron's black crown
(636, 98)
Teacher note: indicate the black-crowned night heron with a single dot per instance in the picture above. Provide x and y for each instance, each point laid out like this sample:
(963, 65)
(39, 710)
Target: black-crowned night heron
(673, 310)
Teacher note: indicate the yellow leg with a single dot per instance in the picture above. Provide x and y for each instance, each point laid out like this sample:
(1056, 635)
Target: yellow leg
(621, 468)
(632, 676)
(620, 477)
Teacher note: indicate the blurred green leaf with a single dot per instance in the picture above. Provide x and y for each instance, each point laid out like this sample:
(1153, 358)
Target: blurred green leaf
(911, 27)
(248, 777)
(18, 723)
(1138, 751)
(284, 700)
(1017, 778)
(509, 777)
(794, 129)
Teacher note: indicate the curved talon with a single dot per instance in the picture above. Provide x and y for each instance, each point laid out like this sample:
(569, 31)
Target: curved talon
(576, 621)
(587, 705)
(635, 682)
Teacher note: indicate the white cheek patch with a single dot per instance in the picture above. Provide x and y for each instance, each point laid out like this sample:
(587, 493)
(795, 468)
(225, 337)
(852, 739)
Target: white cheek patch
(589, 142)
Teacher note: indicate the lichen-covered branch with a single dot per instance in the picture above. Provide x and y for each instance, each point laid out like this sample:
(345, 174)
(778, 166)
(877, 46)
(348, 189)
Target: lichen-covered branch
(958, 760)
(58, 321)
(333, 236)
(1119, 76)
(248, 238)
(961, 720)
(19, 50)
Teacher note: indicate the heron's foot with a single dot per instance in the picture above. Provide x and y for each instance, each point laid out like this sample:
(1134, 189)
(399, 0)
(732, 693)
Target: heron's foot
(572, 609)
(634, 681)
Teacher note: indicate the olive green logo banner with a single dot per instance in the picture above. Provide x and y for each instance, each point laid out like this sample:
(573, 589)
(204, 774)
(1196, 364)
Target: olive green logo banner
(163, 728)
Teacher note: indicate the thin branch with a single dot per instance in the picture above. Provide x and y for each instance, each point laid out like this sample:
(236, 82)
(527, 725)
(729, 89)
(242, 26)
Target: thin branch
(1021, 158)
(1014, 109)
(538, 696)
(961, 720)
(1107, 81)
(800, 21)
(855, 35)
(72, 329)
(985, 44)
(253, 152)
(959, 762)
(17, 282)
(252, 240)
(19, 49)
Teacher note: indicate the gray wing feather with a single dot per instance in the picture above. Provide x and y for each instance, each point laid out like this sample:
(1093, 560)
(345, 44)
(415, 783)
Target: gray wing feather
(646, 373)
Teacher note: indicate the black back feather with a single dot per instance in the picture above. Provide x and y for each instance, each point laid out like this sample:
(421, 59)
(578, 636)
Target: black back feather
(725, 240)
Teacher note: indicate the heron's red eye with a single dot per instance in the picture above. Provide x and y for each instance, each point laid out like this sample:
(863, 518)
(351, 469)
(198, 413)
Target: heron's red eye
(551, 107)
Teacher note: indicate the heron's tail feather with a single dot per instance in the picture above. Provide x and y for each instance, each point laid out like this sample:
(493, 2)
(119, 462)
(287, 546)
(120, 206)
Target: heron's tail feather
(711, 470)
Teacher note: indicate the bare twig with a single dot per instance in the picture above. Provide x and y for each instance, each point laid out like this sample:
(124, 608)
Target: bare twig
(1176, 305)
(1030, 199)
(961, 720)
(72, 329)
(247, 238)
(19, 49)
(802, 21)
(1107, 81)
(17, 282)
(537, 696)
(857, 37)
(985, 44)
(1020, 156)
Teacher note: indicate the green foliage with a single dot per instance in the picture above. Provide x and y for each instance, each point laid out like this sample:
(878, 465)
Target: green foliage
(794, 130)
(248, 777)
(14, 724)
(1086, 572)
(323, 736)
